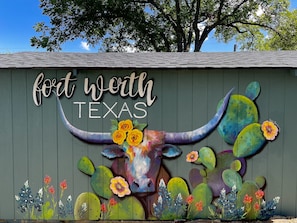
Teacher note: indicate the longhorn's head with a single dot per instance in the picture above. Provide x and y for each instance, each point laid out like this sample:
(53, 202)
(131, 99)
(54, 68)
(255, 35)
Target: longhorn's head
(142, 163)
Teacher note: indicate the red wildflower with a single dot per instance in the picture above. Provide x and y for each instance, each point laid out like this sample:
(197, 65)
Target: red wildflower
(103, 207)
(51, 190)
(199, 206)
(112, 202)
(63, 185)
(257, 206)
(259, 194)
(190, 199)
(247, 199)
(47, 180)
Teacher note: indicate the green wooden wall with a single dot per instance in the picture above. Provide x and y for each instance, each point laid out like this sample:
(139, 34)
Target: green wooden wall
(34, 142)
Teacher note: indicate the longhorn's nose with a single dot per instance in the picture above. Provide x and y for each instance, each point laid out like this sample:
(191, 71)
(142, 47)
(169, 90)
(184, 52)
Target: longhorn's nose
(142, 186)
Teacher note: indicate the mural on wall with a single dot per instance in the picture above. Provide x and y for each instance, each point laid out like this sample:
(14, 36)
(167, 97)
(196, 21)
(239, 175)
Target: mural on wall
(137, 186)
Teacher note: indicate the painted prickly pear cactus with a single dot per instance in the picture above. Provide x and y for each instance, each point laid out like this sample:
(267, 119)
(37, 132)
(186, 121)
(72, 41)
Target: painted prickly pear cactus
(107, 202)
(235, 198)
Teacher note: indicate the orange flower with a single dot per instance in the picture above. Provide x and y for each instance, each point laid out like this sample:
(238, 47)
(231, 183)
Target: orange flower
(51, 190)
(270, 130)
(259, 194)
(47, 180)
(192, 156)
(103, 207)
(112, 201)
(63, 185)
(190, 199)
(134, 137)
(247, 199)
(257, 206)
(199, 206)
(119, 137)
(125, 125)
(119, 186)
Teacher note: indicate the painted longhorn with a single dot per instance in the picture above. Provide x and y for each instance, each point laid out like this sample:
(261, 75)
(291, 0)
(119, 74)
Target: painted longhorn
(142, 164)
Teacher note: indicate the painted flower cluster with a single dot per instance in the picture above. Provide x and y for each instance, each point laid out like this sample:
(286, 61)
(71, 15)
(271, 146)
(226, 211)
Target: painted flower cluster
(230, 210)
(228, 206)
(45, 204)
(106, 208)
(127, 133)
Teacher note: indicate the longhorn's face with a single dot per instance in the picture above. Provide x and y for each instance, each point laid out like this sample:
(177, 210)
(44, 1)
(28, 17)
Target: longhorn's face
(142, 163)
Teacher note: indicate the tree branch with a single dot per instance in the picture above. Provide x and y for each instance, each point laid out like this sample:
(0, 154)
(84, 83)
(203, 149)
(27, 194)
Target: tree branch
(195, 26)
(165, 15)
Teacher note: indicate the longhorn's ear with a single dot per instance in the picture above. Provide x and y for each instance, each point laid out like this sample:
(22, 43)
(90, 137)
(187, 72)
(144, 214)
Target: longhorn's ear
(171, 151)
(113, 151)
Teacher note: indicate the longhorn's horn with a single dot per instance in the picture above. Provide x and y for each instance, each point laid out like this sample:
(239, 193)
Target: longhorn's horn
(91, 137)
(200, 133)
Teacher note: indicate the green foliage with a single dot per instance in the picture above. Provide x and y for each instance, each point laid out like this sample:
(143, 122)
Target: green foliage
(281, 34)
(152, 25)
(48, 211)
(285, 37)
(114, 125)
(139, 126)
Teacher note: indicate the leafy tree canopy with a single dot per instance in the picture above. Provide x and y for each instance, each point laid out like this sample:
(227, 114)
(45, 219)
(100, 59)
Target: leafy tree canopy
(155, 25)
(282, 37)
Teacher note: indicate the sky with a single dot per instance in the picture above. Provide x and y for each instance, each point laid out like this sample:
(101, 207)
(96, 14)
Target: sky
(17, 18)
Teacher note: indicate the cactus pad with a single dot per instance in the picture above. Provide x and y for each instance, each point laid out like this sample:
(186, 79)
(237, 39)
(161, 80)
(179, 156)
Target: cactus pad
(207, 157)
(86, 166)
(253, 90)
(87, 207)
(249, 141)
(127, 209)
(241, 112)
(232, 178)
(177, 185)
(100, 182)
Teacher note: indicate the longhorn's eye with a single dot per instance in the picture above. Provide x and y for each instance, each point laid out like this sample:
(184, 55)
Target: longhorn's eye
(126, 157)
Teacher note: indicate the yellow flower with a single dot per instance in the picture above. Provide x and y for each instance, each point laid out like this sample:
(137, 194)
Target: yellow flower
(125, 125)
(119, 137)
(192, 156)
(134, 137)
(270, 130)
(119, 186)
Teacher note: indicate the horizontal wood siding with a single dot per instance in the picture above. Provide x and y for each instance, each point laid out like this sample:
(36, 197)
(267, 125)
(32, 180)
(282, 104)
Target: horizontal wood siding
(34, 142)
